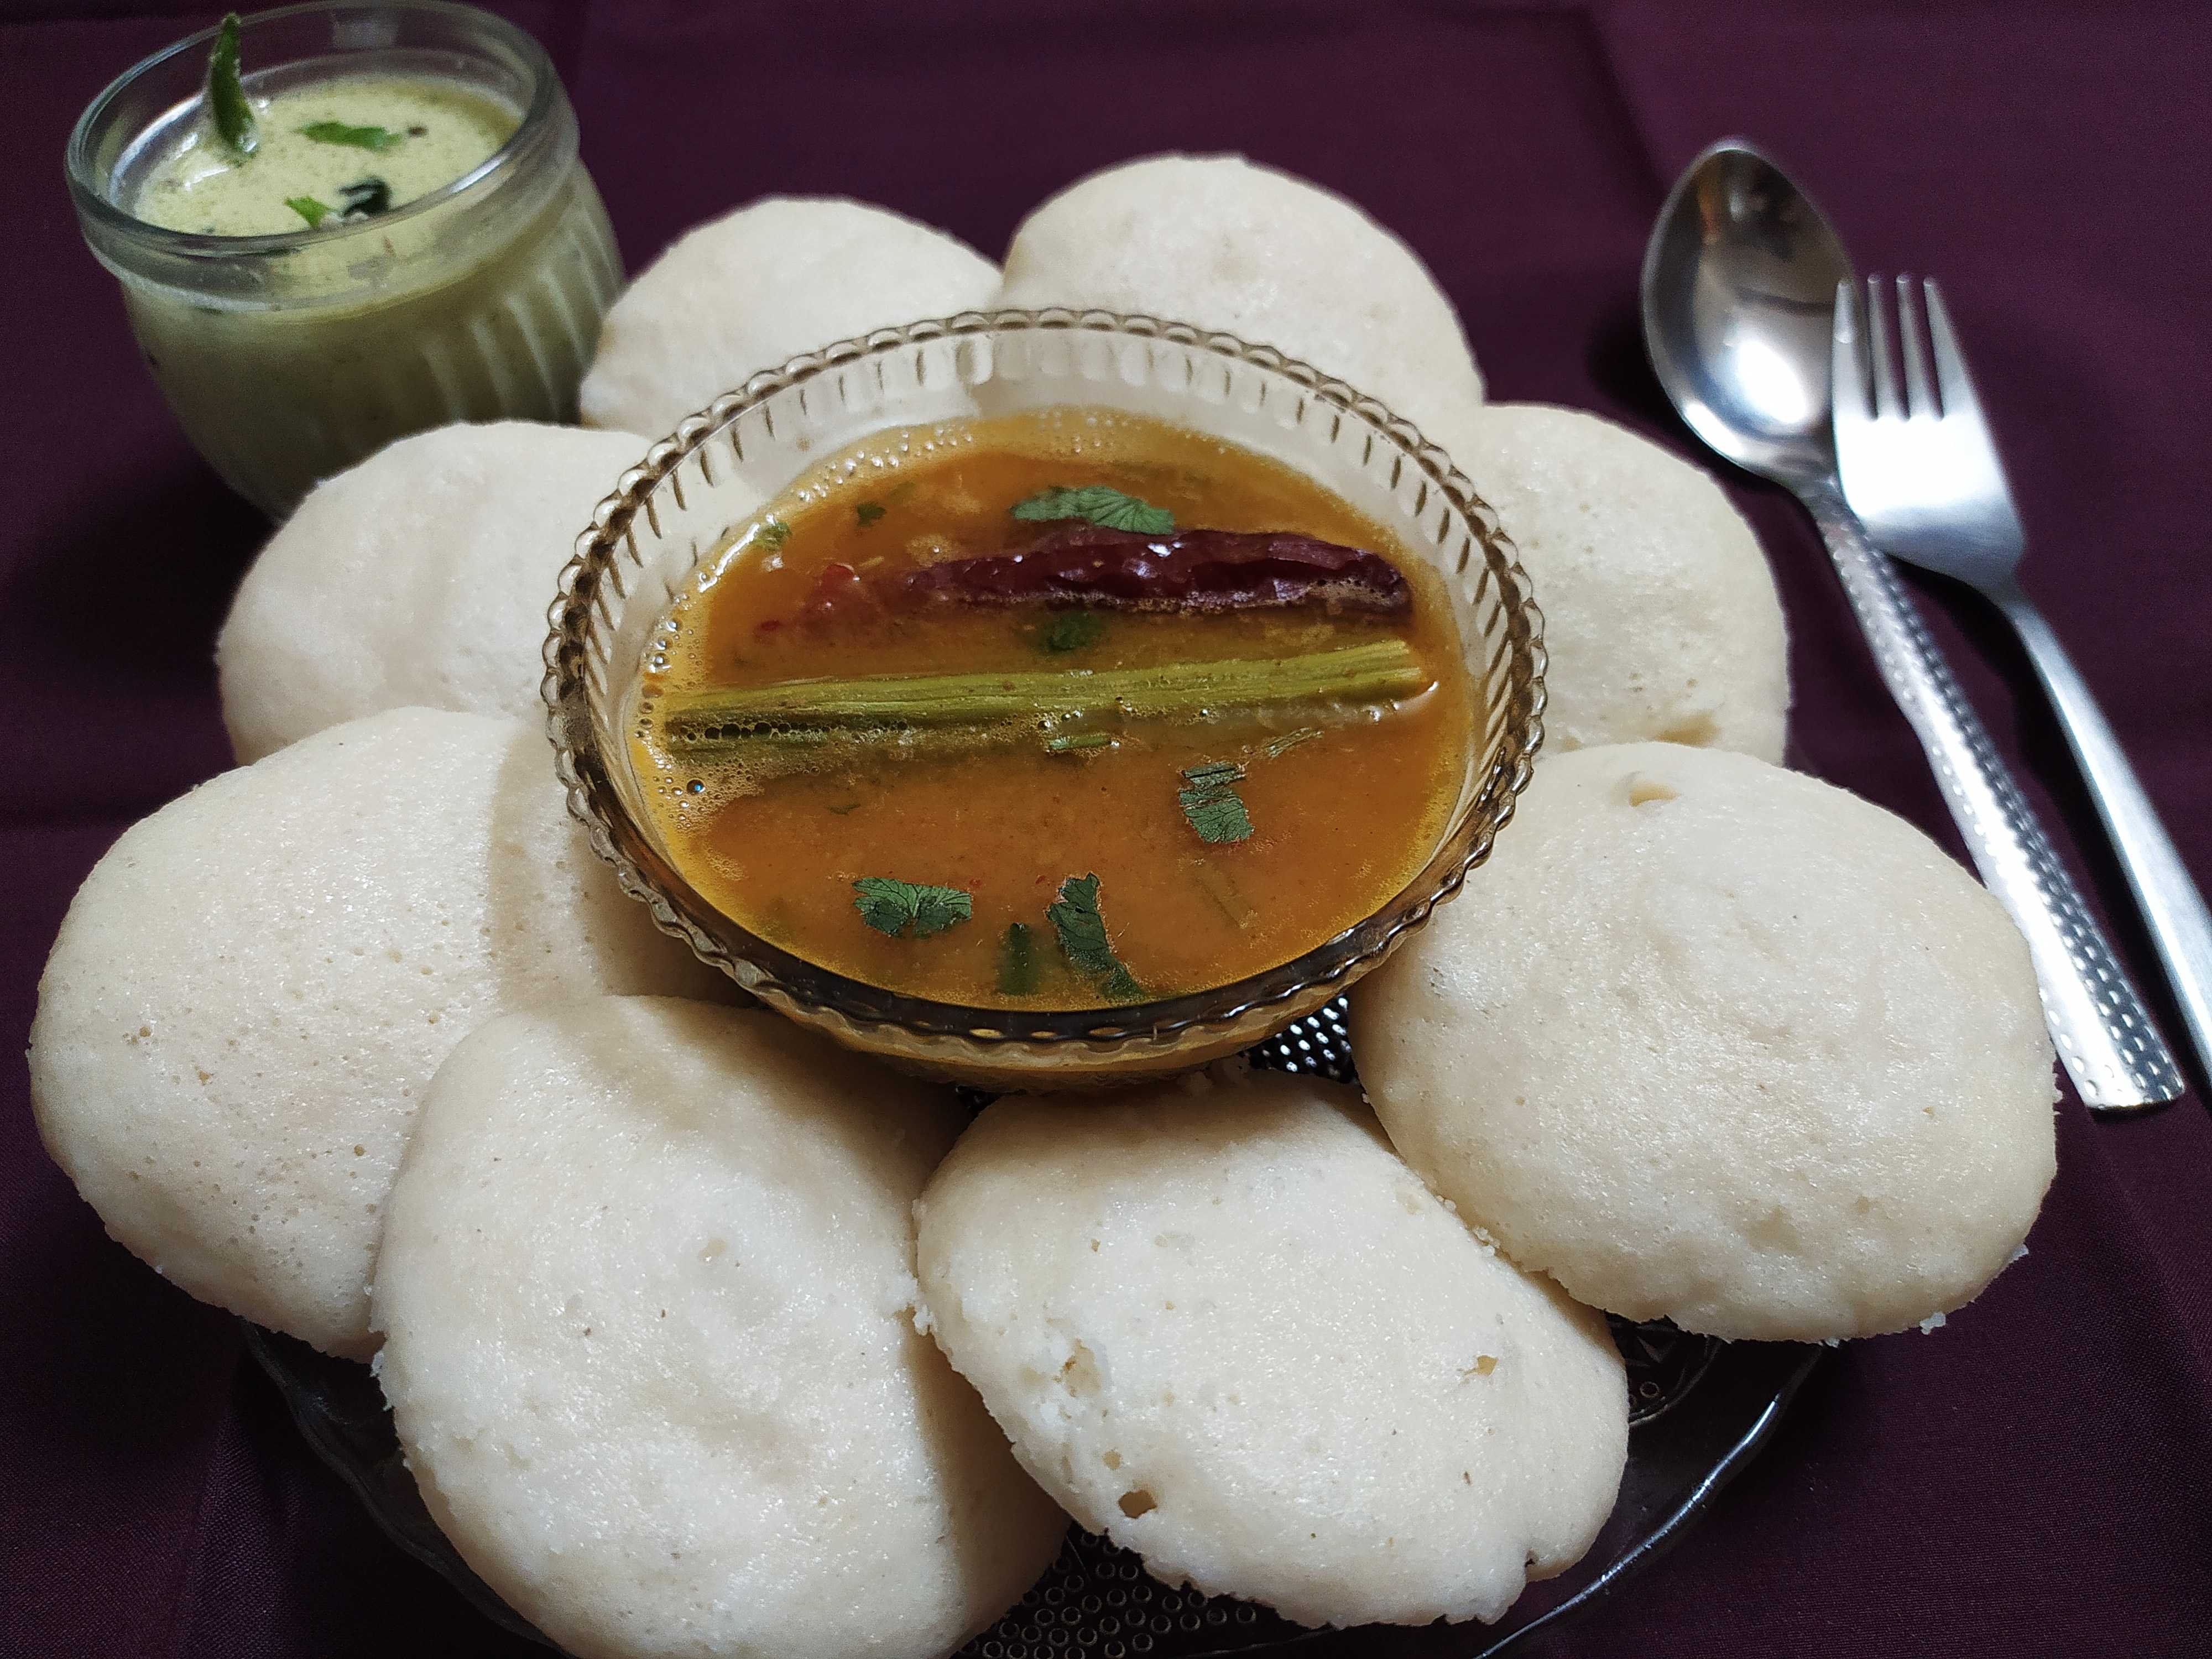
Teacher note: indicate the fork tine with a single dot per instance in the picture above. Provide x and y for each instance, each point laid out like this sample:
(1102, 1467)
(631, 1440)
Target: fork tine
(1919, 390)
(1888, 401)
(1958, 387)
(1846, 373)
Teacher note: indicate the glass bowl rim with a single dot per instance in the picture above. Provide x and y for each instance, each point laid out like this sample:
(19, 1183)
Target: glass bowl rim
(87, 189)
(816, 990)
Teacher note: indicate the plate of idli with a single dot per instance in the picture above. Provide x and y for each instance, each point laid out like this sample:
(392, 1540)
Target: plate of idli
(664, 1326)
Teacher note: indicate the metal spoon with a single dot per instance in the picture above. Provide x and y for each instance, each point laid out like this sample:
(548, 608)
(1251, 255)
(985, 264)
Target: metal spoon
(1739, 289)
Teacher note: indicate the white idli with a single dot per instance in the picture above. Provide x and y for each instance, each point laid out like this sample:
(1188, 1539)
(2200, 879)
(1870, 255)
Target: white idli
(420, 577)
(1231, 1331)
(647, 1294)
(754, 287)
(252, 988)
(1218, 242)
(1714, 1041)
(1661, 620)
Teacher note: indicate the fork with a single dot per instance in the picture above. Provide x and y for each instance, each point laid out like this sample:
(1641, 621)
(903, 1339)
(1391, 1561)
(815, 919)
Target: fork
(1921, 472)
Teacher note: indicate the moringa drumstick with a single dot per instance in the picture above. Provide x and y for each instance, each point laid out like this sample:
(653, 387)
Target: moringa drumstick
(1377, 671)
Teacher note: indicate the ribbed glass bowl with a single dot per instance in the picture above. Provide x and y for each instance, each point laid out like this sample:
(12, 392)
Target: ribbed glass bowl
(676, 508)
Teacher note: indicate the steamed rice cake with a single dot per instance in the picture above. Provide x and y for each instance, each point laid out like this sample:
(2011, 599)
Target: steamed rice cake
(252, 988)
(648, 1296)
(1232, 1332)
(1221, 243)
(418, 578)
(756, 287)
(1661, 618)
(1722, 1044)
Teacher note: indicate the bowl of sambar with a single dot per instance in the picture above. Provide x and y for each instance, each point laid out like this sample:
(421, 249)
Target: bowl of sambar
(1041, 699)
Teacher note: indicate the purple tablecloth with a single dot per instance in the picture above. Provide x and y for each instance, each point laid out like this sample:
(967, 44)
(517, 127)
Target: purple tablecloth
(2030, 1479)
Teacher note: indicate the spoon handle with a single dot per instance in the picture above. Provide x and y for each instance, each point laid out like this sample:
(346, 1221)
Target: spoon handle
(2103, 1035)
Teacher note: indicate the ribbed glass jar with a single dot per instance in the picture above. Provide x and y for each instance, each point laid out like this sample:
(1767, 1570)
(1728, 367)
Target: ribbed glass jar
(290, 356)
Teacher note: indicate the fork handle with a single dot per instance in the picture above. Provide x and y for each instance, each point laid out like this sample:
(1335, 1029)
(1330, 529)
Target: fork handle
(2103, 1033)
(2172, 906)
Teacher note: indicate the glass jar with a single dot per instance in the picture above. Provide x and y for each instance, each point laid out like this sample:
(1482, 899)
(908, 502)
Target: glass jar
(290, 356)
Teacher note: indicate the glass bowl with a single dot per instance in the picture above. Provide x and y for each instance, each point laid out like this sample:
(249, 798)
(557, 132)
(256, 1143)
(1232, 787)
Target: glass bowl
(674, 509)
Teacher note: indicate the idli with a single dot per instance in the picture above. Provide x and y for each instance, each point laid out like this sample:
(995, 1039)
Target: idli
(1217, 241)
(1661, 620)
(754, 288)
(1231, 1331)
(647, 1294)
(419, 577)
(1714, 1041)
(252, 989)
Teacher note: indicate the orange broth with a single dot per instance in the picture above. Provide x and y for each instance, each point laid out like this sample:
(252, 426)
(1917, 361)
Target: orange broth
(776, 836)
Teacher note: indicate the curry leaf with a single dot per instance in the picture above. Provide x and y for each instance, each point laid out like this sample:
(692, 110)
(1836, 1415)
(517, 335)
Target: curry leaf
(234, 121)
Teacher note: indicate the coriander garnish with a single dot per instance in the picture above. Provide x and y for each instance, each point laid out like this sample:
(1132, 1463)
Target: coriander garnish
(309, 209)
(1082, 932)
(1210, 802)
(235, 120)
(894, 907)
(1017, 963)
(773, 535)
(1074, 631)
(338, 132)
(1098, 504)
(868, 511)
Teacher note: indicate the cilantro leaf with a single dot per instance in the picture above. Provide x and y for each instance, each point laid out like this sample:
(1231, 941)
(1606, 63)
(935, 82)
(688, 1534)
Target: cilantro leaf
(1074, 631)
(773, 535)
(1211, 805)
(1017, 963)
(1099, 504)
(338, 132)
(1121, 986)
(1082, 932)
(235, 120)
(868, 511)
(895, 906)
(309, 209)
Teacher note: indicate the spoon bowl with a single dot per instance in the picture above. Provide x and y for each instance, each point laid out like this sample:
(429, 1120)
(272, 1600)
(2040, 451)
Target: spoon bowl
(1740, 284)
(1739, 287)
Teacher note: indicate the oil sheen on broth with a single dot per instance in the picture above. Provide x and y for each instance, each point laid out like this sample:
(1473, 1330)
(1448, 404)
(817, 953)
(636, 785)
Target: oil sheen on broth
(1336, 725)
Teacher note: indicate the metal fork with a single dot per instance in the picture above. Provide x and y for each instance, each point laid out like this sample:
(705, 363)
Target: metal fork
(1921, 472)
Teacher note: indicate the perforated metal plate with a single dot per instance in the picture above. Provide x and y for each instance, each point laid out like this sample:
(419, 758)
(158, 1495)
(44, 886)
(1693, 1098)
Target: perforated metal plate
(1699, 1410)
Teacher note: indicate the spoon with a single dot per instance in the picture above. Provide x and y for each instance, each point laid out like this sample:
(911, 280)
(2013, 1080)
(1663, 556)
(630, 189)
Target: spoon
(1739, 292)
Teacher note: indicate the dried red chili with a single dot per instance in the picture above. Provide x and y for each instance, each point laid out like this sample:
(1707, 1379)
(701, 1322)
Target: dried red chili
(1188, 570)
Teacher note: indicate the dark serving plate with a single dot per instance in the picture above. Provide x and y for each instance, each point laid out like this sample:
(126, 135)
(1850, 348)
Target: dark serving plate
(1700, 1411)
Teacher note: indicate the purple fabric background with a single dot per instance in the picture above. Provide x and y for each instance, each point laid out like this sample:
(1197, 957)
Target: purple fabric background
(2030, 1479)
